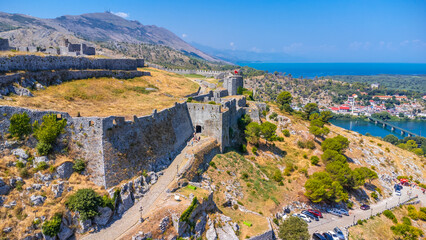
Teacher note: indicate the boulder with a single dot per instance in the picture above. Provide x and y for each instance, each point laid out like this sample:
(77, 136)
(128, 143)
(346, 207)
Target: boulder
(58, 189)
(41, 159)
(36, 186)
(20, 91)
(211, 232)
(85, 225)
(37, 200)
(45, 237)
(127, 199)
(2, 200)
(4, 188)
(64, 170)
(65, 232)
(20, 154)
(7, 229)
(14, 180)
(38, 86)
(103, 218)
(226, 232)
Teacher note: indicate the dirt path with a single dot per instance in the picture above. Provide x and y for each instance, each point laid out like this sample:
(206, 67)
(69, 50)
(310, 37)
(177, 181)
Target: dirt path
(132, 216)
(330, 221)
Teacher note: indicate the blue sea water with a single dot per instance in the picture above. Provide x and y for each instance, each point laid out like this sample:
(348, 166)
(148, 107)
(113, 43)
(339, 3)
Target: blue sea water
(363, 127)
(311, 70)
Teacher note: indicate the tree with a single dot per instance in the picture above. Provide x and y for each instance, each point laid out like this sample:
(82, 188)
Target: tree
(268, 130)
(52, 227)
(284, 101)
(86, 202)
(338, 143)
(325, 116)
(406, 231)
(20, 125)
(331, 156)
(314, 160)
(252, 132)
(294, 228)
(340, 171)
(47, 132)
(318, 187)
(390, 138)
(244, 121)
(362, 173)
(309, 109)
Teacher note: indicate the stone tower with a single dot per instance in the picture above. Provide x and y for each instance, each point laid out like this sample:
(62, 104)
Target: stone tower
(233, 81)
(4, 44)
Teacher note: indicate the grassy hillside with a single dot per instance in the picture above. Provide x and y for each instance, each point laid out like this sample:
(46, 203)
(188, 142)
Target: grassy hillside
(108, 96)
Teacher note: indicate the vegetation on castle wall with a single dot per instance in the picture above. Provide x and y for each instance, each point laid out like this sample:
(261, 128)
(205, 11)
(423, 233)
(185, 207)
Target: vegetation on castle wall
(47, 132)
(79, 165)
(187, 213)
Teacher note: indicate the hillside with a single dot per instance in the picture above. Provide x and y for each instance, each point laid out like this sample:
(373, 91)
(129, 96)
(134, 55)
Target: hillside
(111, 34)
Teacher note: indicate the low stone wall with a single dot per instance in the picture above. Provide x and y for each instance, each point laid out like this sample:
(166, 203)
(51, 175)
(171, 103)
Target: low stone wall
(206, 73)
(39, 63)
(268, 235)
(48, 78)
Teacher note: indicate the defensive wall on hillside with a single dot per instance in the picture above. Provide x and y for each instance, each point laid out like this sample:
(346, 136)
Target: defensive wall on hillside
(48, 78)
(116, 149)
(206, 73)
(40, 63)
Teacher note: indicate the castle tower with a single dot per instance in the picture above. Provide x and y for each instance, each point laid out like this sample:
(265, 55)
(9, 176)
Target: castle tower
(233, 81)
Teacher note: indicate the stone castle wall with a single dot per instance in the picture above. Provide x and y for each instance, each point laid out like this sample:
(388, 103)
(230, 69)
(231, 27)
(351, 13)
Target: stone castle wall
(38, 63)
(206, 73)
(4, 44)
(146, 143)
(48, 78)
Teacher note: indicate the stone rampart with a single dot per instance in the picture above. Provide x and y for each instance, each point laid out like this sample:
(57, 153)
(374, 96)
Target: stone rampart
(206, 73)
(48, 78)
(39, 63)
(146, 143)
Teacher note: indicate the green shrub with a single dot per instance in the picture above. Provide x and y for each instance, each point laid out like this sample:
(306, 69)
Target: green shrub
(278, 176)
(213, 165)
(86, 202)
(374, 195)
(41, 166)
(79, 165)
(23, 173)
(243, 148)
(187, 213)
(310, 145)
(286, 133)
(314, 160)
(189, 99)
(51, 227)
(389, 214)
(359, 222)
(254, 150)
(275, 220)
(244, 175)
(20, 125)
(18, 185)
(301, 144)
(47, 132)
(305, 156)
(412, 212)
(406, 221)
(108, 202)
(20, 164)
(350, 205)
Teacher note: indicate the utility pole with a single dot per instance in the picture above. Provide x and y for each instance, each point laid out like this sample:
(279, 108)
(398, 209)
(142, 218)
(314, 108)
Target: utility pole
(371, 213)
(354, 219)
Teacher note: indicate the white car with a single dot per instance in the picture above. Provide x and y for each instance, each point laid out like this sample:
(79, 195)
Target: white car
(302, 216)
(333, 235)
(398, 193)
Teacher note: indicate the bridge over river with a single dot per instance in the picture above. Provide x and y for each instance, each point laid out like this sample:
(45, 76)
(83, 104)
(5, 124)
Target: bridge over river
(393, 127)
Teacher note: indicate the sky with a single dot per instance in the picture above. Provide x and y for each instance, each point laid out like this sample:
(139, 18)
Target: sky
(315, 30)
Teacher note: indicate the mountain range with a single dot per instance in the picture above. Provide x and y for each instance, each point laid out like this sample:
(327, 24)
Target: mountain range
(101, 29)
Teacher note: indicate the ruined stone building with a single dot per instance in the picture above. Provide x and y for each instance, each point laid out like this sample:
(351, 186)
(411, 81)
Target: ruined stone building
(232, 82)
(4, 44)
(72, 49)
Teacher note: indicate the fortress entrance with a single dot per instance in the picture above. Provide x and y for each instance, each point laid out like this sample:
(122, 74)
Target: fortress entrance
(198, 129)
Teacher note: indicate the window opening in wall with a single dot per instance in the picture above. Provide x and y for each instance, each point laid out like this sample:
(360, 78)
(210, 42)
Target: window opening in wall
(114, 122)
(58, 116)
(198, 129)
(91, 123)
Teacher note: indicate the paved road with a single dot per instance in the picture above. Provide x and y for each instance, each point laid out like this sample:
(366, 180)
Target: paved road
(330, 221)
(132, 216)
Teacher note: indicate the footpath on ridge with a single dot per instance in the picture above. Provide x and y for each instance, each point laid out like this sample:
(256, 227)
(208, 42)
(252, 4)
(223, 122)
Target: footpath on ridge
(131, 217)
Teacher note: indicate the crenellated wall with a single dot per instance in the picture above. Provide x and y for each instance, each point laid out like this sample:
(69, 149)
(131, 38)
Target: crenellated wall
(39, 63)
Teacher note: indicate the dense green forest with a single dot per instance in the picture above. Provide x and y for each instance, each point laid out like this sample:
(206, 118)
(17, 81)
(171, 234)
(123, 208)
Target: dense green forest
(394, 82)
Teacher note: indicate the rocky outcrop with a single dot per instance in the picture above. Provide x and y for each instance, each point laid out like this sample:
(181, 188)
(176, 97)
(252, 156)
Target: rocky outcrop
(64, 170)
(104, 216)
(37, 200)
(4, 188)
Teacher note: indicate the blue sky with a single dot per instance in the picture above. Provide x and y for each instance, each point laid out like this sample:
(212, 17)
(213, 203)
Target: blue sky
(316, 30)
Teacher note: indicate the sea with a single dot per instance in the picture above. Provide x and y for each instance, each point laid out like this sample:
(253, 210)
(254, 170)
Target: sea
(312, 70)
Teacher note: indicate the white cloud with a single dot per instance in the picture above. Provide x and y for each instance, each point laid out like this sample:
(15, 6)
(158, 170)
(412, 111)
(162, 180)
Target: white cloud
(413, 43)
(184, 35)
(121, 14)
(231, 44)
(293, 47)
(359, 45)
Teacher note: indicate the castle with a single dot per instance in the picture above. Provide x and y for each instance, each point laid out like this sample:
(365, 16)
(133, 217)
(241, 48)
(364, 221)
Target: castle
(116, 149)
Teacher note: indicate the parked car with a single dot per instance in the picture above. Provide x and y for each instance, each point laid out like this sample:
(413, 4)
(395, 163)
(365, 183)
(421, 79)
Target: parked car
(315, 212)
(398, 193)
(397, 187)
(331, 211)
(302, 216)
(339, 233)
(317, 236)
(333, 235)
(310, 215)
(365, 207)
(327, 236)
(342, 211)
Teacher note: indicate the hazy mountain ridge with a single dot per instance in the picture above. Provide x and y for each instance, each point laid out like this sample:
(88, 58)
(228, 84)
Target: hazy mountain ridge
(24, 30)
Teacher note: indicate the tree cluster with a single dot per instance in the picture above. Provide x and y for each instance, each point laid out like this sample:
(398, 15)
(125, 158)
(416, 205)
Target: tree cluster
(338, 179)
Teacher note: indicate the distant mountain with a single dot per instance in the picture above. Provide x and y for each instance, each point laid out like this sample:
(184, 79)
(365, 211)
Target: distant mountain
(24, 30)
(236, 56)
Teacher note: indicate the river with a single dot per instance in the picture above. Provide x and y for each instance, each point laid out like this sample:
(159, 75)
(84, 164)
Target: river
(363, 127)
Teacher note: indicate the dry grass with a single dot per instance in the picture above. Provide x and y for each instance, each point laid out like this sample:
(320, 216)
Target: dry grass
(107, 96)
(379, 227)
